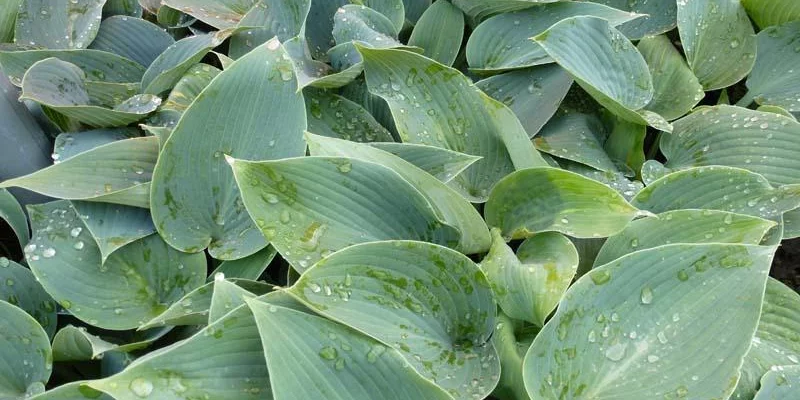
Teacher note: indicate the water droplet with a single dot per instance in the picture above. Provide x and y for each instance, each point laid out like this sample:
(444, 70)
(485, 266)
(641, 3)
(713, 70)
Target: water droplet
(635, 243)
(4, 262)
(662, 337)
(647, 295)
(600, 277)
(78, 245)
(141, 387)
(652, 358)
(328, 353)
(75, 232)
(49, 252)
(734, 43)
(616, 351)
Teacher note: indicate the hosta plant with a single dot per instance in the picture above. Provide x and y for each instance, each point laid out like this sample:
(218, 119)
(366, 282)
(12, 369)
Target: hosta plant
(398, 199)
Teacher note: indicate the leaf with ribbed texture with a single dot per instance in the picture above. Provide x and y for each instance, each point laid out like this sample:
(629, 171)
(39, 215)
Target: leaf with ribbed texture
(625, 144)
(574, 137)
(776, 340)
(76, 344)
(621, 81)
(194, 199)
(774, 79)
(638, 315)
(25, 353)
(781, 383)
(61, 86)
(548, 199)
(616, 180)
(432, 303)
(718, 40)
(533, 94)
(659, 16)
(443, 164)
(675, 88)
(250, 267)
(684, 226)
(112, 225)
(414, 9)
(394, 10)
(772, 12)
(761, 142)
(334, 116)
(135, 284)
(503, 42)
(19, 287)
(223, 361)
(479, 10)
(283, 19)
(309, 207)
(133, 38)
(97, 172)
(439, 32)
(130, 8)
(70, 144)
(8, 14)
(220, 14)
(365, 25)
(436, 105)
(77, 390)
(331, 361)
(182, 95)
(58, 25)
(97, 65)
(225, 297)
(529, 284)
(453, 209)
(12, 213)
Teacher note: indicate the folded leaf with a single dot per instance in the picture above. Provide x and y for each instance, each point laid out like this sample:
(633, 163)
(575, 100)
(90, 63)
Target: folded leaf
(779, 384)
(334, 116)
(443, 164)
(112, 225)
(574, 137)
(11, 212)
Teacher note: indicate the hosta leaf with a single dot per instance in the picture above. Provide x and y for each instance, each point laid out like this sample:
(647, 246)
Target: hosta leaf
(503, 42)
(182, 95)
(638, 315)
(25, 354)
(529, 284)
(532, 94)
(771, 12)
(283, 19)
(481, 9)
(58, 25)
(136, 283)
(625, 144)
(764, 143)
(225, 297)
(780, 383)
(12, 213)
(187, 214)
(309, 207)
(104, 170)
(19, 287)
(430, 302)
(511, 351)
(76, 344)
(61, 86)
(791, 224)
(133, 38)
(684, 226)
(331, 361)
(222, 361)
(774, 79)
(97, 65)
(549, 199)
(250, 267)
(8, 14)
(394, 10)
(130, 8)
(220, 14)
(332, 115)
(776, 110)
(776, 341)
(675, 88)
(718, 188)
(616, 180)
(435, 105)
(573, 137)
(78, 390)
(112, 226)
(439, 32)
(454, 209)
(623, 84)
(414, 9)
(166, 70)
(70, 144)
(363, 24)
(319, 25)
(658, 16)
(443, 164)
(718, 40)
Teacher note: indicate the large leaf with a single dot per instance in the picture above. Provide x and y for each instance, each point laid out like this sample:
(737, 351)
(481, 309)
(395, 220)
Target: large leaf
(762, 142)
(430, 302)
(133, 38)
(283, 19)
(503, 42)
(533, 94)
(436, 105)
(11, 212)
(24, 352)
(659, 16)
(443, 164)
(113, 226)
(638, 315)
(222, 361)
(61, 86)
(549, 199)
(780, 383)
(331, 361)
(19, 287)
(58, 25)
(332, 115)
(574, 137)
(135, 284)
(194, 199)
(684, 226)
(439, 32)
(97, 65)
(618, 77)
(109, 169)
(718, 40)
(772, 12)
(675, 88)
(454, 209)
(220, 14)
(309, 207)
(774, 79)
(529, 284)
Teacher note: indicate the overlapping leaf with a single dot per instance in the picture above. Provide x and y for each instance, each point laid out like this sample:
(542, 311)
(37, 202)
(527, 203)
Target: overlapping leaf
(675, 88)
(771, 12)
(774, 79)
(443, 164)
(19, 287)
(97, 65)
(133, 38)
